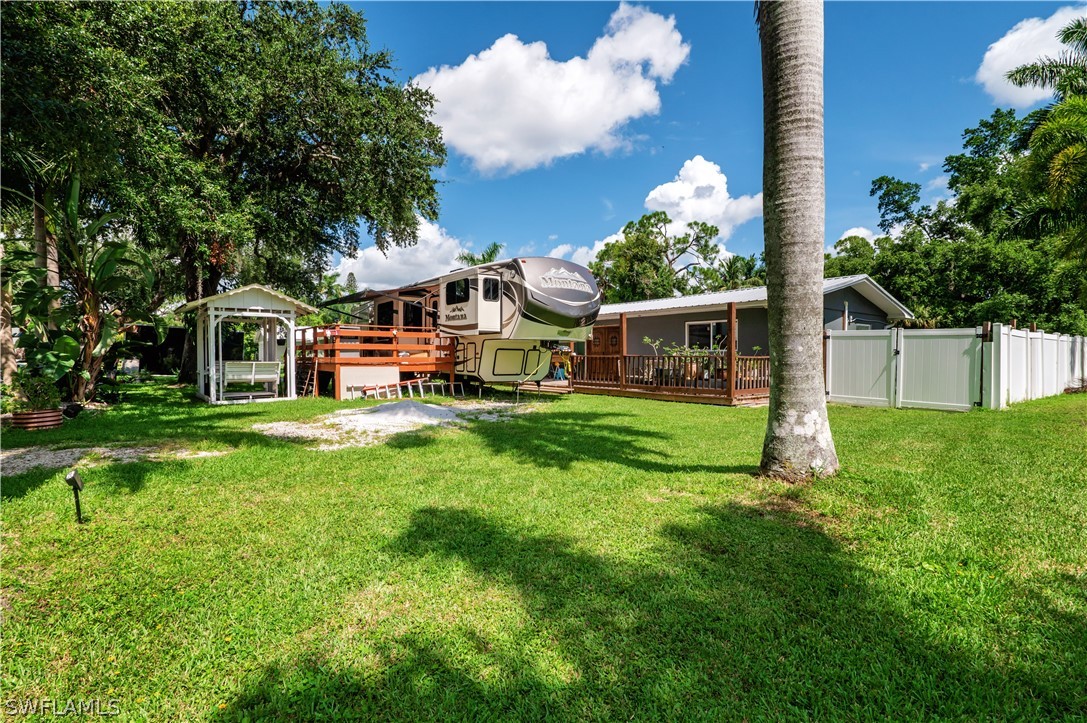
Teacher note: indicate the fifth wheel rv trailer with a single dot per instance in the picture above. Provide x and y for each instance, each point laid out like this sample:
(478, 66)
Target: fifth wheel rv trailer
(498, 313)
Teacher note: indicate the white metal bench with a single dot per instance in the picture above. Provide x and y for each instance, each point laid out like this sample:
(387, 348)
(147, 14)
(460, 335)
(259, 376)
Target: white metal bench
(249, 372)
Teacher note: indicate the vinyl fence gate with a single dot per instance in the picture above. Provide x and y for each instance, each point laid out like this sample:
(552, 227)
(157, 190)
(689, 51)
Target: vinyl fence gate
(950, 369)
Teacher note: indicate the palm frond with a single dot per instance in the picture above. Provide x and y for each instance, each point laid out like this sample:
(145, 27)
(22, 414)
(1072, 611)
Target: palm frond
(1075, 34)
(1067, 170)
(1046, 72)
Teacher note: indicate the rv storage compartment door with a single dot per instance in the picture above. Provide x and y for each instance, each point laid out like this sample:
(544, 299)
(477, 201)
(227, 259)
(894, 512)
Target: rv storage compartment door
(490, 304)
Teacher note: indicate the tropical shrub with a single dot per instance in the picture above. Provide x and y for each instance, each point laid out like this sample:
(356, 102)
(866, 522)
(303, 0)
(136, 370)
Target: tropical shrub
(33, 392)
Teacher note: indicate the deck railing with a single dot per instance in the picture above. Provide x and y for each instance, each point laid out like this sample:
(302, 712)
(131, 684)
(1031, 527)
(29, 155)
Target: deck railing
(696, 374)
(373, 345)
(752, 375)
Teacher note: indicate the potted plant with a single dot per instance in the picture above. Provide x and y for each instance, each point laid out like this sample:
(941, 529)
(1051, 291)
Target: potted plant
(36, 401)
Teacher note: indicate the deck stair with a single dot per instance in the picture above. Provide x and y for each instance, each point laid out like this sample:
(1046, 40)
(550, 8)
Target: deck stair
(305, 378)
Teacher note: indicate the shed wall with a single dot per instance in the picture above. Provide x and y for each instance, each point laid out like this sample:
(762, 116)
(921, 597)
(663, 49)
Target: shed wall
(861, 310)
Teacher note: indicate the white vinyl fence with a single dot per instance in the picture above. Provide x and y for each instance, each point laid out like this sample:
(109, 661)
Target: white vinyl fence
(953, 369)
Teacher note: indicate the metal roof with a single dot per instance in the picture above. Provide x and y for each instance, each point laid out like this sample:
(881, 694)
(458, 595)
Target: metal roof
(300, 307)
(756, 296)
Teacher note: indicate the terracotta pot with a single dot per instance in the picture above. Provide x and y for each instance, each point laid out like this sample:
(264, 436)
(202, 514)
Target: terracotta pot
(40, 419)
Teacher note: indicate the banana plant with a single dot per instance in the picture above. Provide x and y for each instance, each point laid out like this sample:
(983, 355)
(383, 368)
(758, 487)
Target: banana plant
(102, 278)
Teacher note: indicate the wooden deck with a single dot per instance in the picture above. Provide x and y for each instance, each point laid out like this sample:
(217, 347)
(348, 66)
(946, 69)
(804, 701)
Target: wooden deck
(413, 351)
(701, 378)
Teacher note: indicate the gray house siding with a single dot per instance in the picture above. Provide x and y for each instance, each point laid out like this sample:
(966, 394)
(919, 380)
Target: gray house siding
(754, 331)
(671, 329)
(861, 310)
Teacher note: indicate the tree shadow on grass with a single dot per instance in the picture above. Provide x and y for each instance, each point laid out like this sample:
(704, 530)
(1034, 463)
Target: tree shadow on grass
(563, 440)
(151, 413)
(752, 612)
(14, 487)
(130, 475)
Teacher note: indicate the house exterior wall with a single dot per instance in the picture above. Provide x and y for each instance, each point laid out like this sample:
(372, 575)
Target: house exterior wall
(861, 310)
(672, 329)
(754, 331)
(753, 322)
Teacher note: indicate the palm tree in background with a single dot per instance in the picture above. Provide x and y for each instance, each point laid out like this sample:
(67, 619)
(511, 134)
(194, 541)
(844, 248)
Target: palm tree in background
(1065, 74)
(1058, 159)
(741, 272)
(1056, 136)
(798, 442)
(486, 256)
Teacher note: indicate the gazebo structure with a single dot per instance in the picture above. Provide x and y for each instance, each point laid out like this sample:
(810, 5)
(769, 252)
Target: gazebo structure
(260, 378)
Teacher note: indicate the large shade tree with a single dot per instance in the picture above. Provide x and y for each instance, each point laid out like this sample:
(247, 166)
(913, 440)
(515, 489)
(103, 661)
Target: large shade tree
(798, 441)
(652, 261)
(241, 141)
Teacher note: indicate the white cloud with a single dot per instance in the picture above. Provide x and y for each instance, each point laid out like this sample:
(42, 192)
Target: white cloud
(552, 237)
(861, 231)
(938, 183)
(1028, 41)
(923, 166)
(512, 107)
(561, 251)
(699, 192)
(584, 255)
(433, 255)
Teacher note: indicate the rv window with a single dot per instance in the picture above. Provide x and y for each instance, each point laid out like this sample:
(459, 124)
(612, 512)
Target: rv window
(385, 314)
(456, 292)
(413, 315)
(490, 289)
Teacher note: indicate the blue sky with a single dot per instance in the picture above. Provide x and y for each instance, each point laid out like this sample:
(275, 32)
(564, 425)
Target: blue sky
(566, 120)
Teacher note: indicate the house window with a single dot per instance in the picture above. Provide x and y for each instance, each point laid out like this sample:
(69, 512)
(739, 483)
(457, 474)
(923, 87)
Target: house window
(456, 292)
(490, 289)
(860, 327)
(706, 334)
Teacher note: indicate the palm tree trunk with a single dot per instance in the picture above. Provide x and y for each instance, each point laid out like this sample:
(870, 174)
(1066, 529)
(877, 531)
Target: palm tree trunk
(798, 441)
(45, 244)
(8, 363)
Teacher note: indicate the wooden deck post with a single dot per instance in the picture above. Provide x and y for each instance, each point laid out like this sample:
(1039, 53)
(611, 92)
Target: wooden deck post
(733, 342)
(623, 351)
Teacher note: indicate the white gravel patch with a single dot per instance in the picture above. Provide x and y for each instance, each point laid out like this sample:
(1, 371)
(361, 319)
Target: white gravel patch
(23, 459)
(339, 430)
(372, 425)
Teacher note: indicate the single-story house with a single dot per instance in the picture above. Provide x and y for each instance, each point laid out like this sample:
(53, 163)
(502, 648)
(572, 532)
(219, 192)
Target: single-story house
(701, 320)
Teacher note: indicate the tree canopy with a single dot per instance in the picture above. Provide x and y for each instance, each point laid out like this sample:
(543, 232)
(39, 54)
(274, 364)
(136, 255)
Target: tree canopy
(242, 141)
(651, 262)
(1009, 246)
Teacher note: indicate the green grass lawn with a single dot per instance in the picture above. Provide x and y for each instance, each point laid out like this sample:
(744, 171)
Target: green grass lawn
(599, 558)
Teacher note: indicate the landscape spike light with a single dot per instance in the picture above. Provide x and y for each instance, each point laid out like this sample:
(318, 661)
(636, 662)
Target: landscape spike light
(76, 483)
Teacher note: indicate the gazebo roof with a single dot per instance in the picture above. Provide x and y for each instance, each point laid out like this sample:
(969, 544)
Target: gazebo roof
(250, 297)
